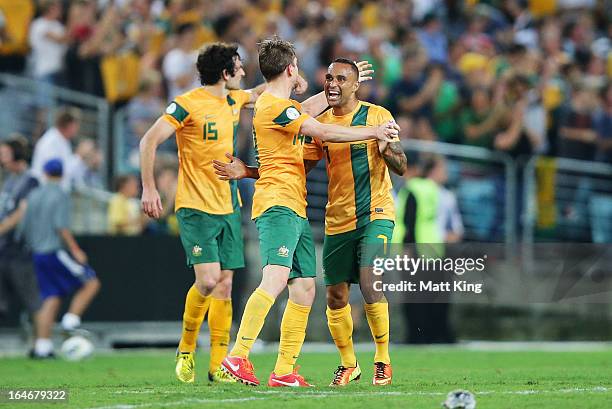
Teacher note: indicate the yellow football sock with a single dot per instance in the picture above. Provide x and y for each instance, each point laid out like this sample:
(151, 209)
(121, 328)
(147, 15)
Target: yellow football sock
(219, 325)
(253, 319)
(378, 319)
(196, 306)
(340, 323)
(293, 332)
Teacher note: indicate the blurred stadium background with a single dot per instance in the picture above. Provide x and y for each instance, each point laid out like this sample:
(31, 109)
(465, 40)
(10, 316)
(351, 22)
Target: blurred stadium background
(459, 76)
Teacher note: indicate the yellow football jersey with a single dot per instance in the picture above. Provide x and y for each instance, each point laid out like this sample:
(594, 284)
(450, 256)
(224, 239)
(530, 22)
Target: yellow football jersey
(279, 153)
(359, 187)
(206, 128)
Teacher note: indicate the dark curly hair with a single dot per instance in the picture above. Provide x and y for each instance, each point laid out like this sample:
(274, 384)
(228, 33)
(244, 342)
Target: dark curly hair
(214, 59)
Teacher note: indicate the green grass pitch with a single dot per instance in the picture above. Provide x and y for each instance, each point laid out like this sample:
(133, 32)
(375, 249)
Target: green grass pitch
(422, 378)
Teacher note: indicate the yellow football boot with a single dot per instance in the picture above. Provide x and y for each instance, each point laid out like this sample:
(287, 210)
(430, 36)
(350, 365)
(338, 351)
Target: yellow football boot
(220, 376)
(185, 367)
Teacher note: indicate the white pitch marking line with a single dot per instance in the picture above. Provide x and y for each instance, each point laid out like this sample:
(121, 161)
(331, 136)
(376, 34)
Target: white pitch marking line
(331, 394)
(176, 403)
(310, 394)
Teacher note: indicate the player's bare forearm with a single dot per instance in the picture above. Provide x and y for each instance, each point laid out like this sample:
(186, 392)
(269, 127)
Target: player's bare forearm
(336, 133)
(395, 158)
(235, 169)
(255, 93)
(316, 104)
(158, 133)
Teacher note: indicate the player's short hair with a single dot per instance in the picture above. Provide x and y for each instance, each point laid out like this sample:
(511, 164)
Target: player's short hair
(347, 61)
(213, 59)
(275, 55)
(67, 116)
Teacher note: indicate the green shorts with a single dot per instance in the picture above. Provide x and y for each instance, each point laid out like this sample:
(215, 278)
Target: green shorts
(285, 240)
(345, 253)
(211, 238)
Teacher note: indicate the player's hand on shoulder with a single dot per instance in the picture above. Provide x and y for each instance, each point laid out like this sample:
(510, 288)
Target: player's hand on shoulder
(235, 169)
(151, 203)
(388, 132)
(365, 70)
(300, 86)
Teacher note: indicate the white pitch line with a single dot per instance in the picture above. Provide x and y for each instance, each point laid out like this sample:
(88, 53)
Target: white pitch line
(176, 403)
(310, 394)
(332, 394)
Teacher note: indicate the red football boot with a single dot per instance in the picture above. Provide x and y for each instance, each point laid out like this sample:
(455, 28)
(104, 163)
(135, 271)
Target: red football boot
(240, 369)
(292, 380)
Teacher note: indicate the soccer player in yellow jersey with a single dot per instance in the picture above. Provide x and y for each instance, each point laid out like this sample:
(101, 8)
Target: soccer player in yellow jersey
(205, 121)
(279, 210)
(359, 218)
(359, 215)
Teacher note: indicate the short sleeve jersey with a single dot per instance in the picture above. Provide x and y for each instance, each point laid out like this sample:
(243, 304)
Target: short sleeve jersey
(206, 128)
(279, 153)
(359, 187)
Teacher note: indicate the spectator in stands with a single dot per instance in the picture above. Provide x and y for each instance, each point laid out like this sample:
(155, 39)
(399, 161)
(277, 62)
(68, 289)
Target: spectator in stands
(48, 40)
(14, 24)
(521, 123)
(421, 218)
(83, 168)
(124, 215)
(433, 39)
(82, 62)
(142, 111)
(603, 125)
(179, 64)
(16, 272)
(414, 94)
(55, 143)
(577, 137)
(476, 119)
(46, 228)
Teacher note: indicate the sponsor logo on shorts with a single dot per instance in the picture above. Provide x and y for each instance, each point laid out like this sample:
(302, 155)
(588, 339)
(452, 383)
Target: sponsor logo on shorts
(283, 251)
(196, 251)
(379, 210)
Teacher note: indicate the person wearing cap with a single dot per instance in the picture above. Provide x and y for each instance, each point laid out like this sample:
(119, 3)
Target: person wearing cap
(60, 264)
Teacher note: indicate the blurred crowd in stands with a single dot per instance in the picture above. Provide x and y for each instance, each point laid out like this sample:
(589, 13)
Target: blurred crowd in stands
(518, 76)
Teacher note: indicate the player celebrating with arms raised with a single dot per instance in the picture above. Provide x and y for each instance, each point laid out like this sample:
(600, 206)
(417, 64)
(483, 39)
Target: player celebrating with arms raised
(205, 120)
(279, 210)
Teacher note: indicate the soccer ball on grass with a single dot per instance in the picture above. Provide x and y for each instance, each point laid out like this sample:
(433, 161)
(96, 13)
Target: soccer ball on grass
(76, 348)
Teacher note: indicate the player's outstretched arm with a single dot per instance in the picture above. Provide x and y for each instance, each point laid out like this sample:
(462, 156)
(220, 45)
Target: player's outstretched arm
(157, 134)
(386, 132)
(235, 169)
(255, 93)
